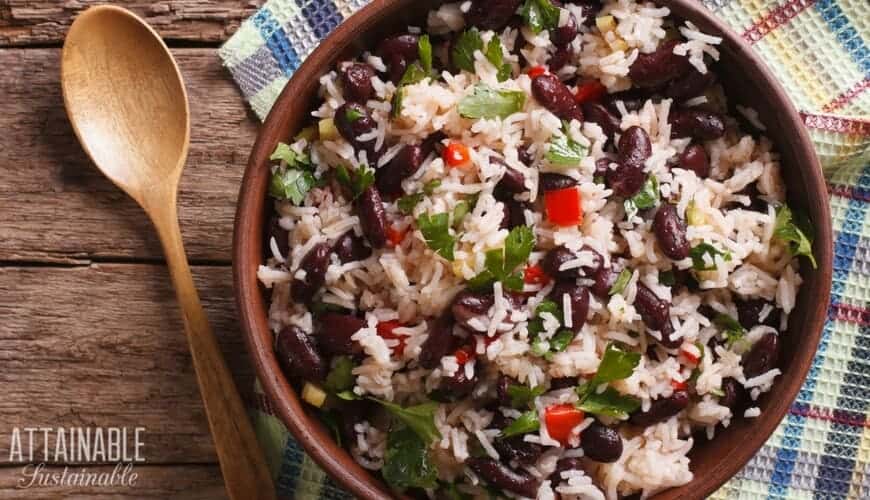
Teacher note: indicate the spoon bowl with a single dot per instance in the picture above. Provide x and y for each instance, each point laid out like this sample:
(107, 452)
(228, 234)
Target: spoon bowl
(126, 100)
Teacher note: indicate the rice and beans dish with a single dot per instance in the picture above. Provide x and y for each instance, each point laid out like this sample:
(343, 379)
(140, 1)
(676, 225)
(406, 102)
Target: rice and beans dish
(529, 250)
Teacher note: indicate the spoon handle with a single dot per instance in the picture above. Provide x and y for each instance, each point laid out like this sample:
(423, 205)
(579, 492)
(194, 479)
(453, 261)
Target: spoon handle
(246, 475)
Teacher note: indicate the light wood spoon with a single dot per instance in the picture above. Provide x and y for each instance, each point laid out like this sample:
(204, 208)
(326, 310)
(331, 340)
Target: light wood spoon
(128, 106)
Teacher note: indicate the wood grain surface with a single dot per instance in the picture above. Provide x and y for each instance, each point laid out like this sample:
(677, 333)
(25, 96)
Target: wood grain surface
(27, 22)
(57, 207)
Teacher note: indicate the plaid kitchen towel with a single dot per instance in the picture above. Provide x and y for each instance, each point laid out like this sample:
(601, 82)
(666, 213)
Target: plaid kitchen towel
(819, 51)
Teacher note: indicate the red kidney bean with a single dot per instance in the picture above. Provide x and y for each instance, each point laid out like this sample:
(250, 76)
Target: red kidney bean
(373, 218)
(406, 162)
(692, 84)
(579, 297)
(500, 476)
(670, 231)
(438, 343)
(314, 264)
(506, 217)
(517, 211)
(633, 99)
(696, 123)
(601, 443)
(560, 58)
(335, 332)
(694, 158)
(762, 357)
(625, 181)
(491, 14)
(515, 448)
(349, 248)
(352, 413)
(563, 383)
(658, 67)
(467, 305)
(597, 113)
(548, 181)
(298, 355)
(560, 255)
(734, 394)
(667, 340)
(457, 386)
(749, 310)
(634, 147)
(604, 279)
(661, 409)
(568, 464)
(564, 35)
(556, 97)
(356, 80)
(655, 312)
(398, 52)
(513, 181)
(525, 156)
(590, 10)
(352, 120)
(281, 235)
(602, 165)
(432, 143)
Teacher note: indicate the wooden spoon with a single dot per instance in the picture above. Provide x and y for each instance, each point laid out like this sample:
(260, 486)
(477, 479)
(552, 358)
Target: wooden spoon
(128, 106)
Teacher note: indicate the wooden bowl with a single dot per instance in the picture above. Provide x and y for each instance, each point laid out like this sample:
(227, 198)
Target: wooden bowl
(747, 79)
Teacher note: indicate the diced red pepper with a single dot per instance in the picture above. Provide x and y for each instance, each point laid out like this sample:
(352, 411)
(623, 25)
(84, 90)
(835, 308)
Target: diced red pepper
(590, 91)
(561, 420)
(679, 385)
(535, 275)
(563, 207)
(464, 355)
(385, 331)
(536, 71)
(690, 356)
(396, 236)
(456, 155)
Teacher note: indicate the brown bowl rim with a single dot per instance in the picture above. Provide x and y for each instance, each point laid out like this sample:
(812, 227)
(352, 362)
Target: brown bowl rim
(247, 255)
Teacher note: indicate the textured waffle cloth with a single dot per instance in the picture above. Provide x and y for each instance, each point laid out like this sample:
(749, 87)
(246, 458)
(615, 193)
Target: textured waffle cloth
(818, 49)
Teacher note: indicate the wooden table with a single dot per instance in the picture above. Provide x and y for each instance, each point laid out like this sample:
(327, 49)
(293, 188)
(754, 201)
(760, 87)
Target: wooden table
(90, 335)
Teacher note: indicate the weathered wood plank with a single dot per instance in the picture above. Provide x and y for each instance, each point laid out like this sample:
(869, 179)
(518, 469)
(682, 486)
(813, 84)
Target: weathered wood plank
(104, 346)
(57, 206)
(26, 22)
(180, 482)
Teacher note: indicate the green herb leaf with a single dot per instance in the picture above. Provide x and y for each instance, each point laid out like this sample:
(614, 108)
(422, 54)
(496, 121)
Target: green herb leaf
(407, 203)
(524, 396)
(561, 340)
(667, 278)
(340, 377)
(500, 263)
(729, 326)
(436, 232)
(285, 153)
(564, 151)
(463, 50)
(717, 392)
(610, 403)
(424, 50)
(348, 395)
(495, 55)
(291, 184)
(406, 461)
(697, 254)
(420, 418)
(352, 115)
(431, 186)
(413, 74)
(795, 230)
(616, 364)
(330, 420)
(696, 372)
(487, 102)
(621, 282)
(396, 103)
(540, 15)
(462, 209)
(525, 423)
(648, 195)
(357, 182)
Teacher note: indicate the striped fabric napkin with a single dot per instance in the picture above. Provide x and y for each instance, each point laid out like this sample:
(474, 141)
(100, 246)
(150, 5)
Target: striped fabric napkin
(819, 51)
